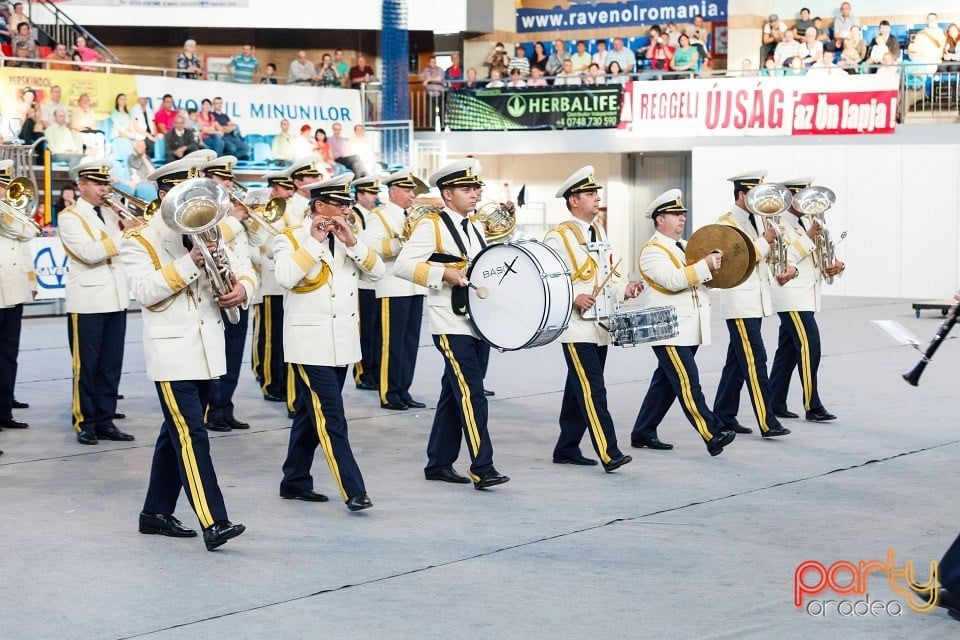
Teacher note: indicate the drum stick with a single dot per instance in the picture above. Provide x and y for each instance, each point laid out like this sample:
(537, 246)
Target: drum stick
(600, 286)
(482, 292)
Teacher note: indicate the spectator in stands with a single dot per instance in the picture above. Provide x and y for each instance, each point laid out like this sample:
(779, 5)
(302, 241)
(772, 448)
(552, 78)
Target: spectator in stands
(854, 51)
(624, 59)
(59, 59)
(747, 69)
(794, 67)
(581, 59)
(673, 32)
(51, 104)
(17, 18)
(825, 67)
(432, 79)
(83, 121)
(805, 21)
(180, 140)
(269, 74)
(516, 80)
(5, 35)
(303, 144)
(539, 58)
(685, 58)
(883, 42)
(86, 53)
(61, 141)
(31, 126)
(951, 50)
(454, 72)
(338, 147)
(616, 74)
(660, 55)
(497, 59)
(163, 119)
(210, 135)
(139, 163)
(24, 40)
(926, 50)
(142, 118)
(555, 61)
(361, 73)
(519, 62)
(496, 80)
(811, 49)
(842, 26)
(327, 73)
(889, 66)
(302, 71)
(771, 69)
(188, 62)
(321, 147)
(233, 142)
(282, 147)
(594, 76)
(343, 69)
(120, 120)
(244, 66)
(653, 39)
(698, 40)
(471, 80)
(773, 35)
(536, 78)
(823, 34)
(20, 51)
(567, 75)
(787, 49)
(600, 57)
(360, 147)
(67, 198)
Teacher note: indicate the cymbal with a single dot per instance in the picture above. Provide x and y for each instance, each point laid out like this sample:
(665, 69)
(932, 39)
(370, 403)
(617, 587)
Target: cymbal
(739, 253)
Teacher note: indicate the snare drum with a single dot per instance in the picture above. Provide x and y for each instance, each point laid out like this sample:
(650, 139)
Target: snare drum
(629, 328)
(529, 295)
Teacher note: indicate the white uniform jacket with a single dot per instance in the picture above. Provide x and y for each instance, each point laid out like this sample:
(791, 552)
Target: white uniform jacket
(182, 330)
(569, 239)
(431, 236)
(297, 209)
(671, 282)
(361, 230)
(752, 298)
(384, 230)
(18, 280)
(262, 254)
(803, 292)
(96, 283)
(238, 241)
(321, 325)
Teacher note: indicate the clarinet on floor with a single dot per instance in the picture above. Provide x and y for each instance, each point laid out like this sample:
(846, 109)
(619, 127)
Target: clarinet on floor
(913, 376)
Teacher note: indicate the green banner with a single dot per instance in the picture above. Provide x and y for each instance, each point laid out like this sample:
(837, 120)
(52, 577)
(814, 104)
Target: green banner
(578, 107)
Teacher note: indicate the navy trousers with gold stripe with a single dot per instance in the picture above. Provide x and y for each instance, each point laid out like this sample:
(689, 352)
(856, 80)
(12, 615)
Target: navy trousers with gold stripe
(676, 376)
(268, 344)
(319, 420)
(11, 320)
(798, 348)
(223, 388)
(96, 345)
(400, 320)
(462, 407)
(181, 457)
(585, 403)
(367, 370)
(746, 362)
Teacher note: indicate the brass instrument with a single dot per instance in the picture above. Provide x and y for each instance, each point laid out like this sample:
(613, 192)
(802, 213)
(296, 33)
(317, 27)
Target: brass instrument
(499, 219)
(266, 213)
(414, 214)
(739, 253)
(146, 209)
(814, 202)
(195, 207)
(19, 201)
(769, 201)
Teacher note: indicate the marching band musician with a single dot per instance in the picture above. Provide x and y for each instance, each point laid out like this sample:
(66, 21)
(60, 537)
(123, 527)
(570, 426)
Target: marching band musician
(366, 373)
(18, 284)
(798, 346)
(401, 301)
(183, 343)
(672, 282)
(220, 411)
(435, 256)
(744, 308)
(97, 297)
(585, 341)
(318, 263)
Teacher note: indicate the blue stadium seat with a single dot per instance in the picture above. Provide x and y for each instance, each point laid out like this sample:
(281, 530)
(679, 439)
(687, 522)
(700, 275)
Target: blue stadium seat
(262, 153)
(159, 151)
(146, 191)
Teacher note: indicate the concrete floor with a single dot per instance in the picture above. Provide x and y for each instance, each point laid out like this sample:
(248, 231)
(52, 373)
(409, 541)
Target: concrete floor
(674, 545)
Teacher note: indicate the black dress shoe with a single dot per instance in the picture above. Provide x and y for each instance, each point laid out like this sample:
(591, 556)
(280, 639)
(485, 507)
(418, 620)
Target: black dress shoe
(489, 479)
(716, 444)
(650, 443)
(217, 426)
(488, 393)
(413, 404)
(119, 416)
(394, 406)
(736, 427)
(233, 423)
(307, 495)
(20, 405)
(269, 397)
(220, 532)
(784, 413)
(446, 474)
(820, 415)
(359, 502)
(578, 459)
(10, 423)
(164, 525)
(616, 463)
(87, 437)
(366, 386)
(773, 432)
(112, 433)
(119, 396)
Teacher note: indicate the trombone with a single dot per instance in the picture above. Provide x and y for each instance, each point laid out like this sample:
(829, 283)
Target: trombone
(19, 200)
(145, 210)
(265, 214)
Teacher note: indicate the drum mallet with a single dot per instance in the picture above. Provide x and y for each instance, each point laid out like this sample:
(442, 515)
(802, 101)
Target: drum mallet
(482, 292)
(603, 283)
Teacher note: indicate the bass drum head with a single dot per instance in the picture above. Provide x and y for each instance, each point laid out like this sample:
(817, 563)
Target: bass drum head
(513, 313)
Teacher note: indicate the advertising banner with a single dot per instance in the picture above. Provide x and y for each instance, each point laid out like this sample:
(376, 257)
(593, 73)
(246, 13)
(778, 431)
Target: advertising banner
(783, 106)
(51, 266)
(583, 107)
(570, 15)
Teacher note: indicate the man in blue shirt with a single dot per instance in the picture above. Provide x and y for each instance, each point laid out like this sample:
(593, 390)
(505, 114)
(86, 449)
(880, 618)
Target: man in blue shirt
(244, 67)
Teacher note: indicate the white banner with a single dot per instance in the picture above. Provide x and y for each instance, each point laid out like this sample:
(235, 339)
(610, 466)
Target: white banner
(50, 264)
(259, 108)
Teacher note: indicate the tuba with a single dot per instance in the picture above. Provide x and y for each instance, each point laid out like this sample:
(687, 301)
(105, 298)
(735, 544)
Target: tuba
(144, 210)
(769, 201)
(20, 200)
(499, 219)
(814, 202)
(195, 207)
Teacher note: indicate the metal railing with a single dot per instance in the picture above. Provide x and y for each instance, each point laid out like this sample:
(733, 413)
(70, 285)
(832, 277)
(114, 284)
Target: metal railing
(60, 27)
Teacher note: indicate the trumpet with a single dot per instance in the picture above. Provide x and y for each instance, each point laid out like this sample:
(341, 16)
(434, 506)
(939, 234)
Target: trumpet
(265, 214)
(769, 201)
(19, 201)
(814, 202)
(145, 210)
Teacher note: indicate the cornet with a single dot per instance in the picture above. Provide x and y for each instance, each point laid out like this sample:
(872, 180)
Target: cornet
(144, 210)
(19, 201)
(769, 201)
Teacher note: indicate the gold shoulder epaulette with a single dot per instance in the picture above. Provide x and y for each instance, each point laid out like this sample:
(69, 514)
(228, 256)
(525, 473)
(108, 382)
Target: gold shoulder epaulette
(133, 231)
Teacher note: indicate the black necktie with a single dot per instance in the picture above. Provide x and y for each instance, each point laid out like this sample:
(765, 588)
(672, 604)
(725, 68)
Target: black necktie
(99, 215)
(330, 243)
(753, 223)
(679, 245)
(465, 223)
(593, 234)
(146, 120)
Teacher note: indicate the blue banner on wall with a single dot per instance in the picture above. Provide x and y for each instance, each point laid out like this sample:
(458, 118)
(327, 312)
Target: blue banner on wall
(574, 15)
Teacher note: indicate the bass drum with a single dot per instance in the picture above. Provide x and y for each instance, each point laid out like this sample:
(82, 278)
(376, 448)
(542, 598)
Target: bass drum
(529, 296)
